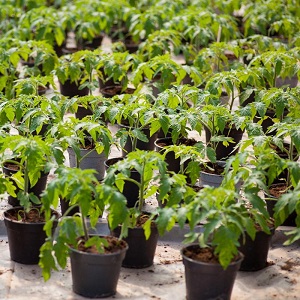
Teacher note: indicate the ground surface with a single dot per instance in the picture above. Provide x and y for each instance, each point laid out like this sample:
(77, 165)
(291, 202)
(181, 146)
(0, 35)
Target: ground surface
(164, 280)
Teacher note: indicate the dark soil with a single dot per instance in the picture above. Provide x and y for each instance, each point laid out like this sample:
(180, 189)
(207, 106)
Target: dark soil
(213, 168)
(203, 254)
(113, 161)
(142, 219)
(276, 190)
(11, 166)
(116, 90)
(284, 154)
(33, 216)
(115, 245)
(181, 141)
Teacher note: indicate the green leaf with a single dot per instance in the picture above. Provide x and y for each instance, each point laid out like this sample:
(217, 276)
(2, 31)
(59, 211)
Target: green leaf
(211, 154)
(165, 220)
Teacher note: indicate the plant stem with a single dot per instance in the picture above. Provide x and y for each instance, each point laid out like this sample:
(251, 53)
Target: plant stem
(26, 178)
(90, 80)
(134, 139)
(232, 100)
(142, 184)
(291, 151)
(213, 132)
(86, 235)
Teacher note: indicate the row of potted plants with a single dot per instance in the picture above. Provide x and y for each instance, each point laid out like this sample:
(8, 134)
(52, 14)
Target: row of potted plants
(199, 22)
(237, 63)
(26, 116)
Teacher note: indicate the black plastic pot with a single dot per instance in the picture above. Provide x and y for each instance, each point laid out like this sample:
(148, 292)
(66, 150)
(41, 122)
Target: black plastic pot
(24, 239)
(206, 280)
(271, 202)
(255, 251)
(71, 89)
(95, 275)
(223, 152)
(147, 146)
(268, 121)
(106, 82)
(211, 179)
(82, 112)
(90, 160)
(64, 206)
(37, 189)
(141, 251)
(130, 190)
(290, 82)
(172, 162)
(91, 45)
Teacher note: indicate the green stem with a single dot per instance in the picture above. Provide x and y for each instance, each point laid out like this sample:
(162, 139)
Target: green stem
(86, 234)
(90, 80)
(142, 186)
(232, 100)
(291, 152)
(213, 132)
(26, 178)
(134, 139)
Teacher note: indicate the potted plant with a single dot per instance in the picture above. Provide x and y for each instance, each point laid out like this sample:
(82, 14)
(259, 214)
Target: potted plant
(273, 105)
(275, 65)
(158, 43)
(211, 257)
(89, 23)
(75, 73)
(32, 114)
(87, 141)
(33, 85)
(134, 224)
(38, 58)
(250, 168)
(113, 71)
(31, 157)
(286, 180)
(42, 24)
(135, 117)
(287, 204)
(9, 59)
(95, 260)
(160, 72)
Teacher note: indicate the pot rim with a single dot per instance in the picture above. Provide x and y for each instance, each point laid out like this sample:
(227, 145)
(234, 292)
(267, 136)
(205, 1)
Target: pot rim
(55, 212)
(100, 254)
(213, 265)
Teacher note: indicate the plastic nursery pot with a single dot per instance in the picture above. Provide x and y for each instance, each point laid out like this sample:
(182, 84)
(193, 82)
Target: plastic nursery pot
(173, 163)
(223, 152)
(130, 190)
(206, 280)
(268, 121)
(91, 45)
(24, 239)
(82, 112)
(255, 251)
(64, 206)
(37, 189)
(90, 160)
(209, 178)
(71, 89)
(106, 82)
(271, 200)
(141, 251)
(147, 146)
(96, 275)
